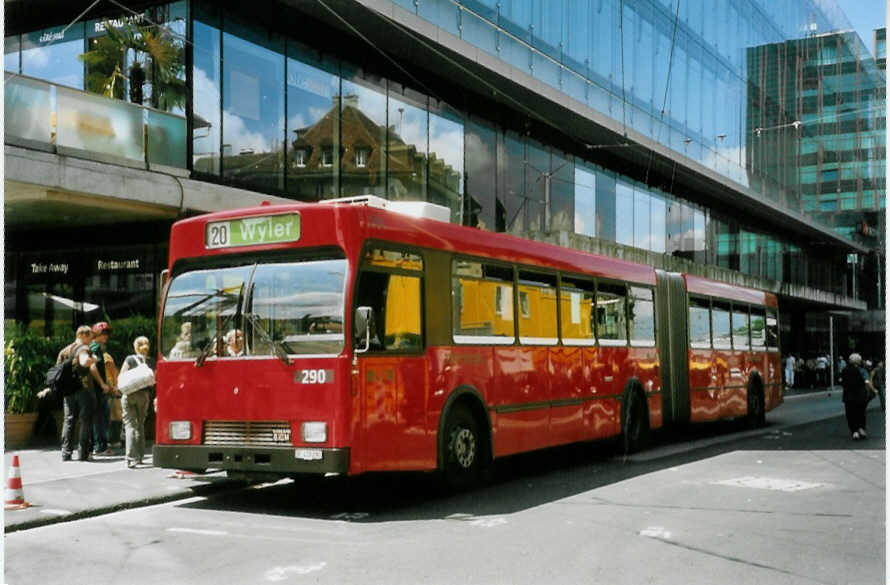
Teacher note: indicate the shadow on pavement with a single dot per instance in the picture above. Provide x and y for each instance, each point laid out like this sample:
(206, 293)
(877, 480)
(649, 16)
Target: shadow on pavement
(519, 482)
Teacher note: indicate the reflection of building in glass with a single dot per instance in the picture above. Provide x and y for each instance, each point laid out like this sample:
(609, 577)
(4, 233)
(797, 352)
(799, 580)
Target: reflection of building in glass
(811, 130)
(665, 132)
(816, 142)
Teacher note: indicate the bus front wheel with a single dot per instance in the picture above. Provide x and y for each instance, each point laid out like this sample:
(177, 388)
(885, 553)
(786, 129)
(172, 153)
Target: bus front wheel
(463, 449)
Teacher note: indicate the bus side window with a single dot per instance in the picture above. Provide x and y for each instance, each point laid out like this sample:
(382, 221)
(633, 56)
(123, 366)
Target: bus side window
(576, 297)
(699, 323)
(772, 330)
(758, 329)
(641, 316)
(482, 303)
(396, 302)
(720, 326)
(740, 327)
(611, 314)
(537, 308)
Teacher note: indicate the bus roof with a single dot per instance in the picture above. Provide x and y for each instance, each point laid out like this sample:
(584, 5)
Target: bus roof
(347, 226)
(706, 286)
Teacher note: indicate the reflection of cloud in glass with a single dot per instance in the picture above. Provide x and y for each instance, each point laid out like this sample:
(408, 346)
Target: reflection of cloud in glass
(371, 103)
(411, 131)
(240, 138)
(37, 57)
(448, 144)
(297, 122)
(206, 92)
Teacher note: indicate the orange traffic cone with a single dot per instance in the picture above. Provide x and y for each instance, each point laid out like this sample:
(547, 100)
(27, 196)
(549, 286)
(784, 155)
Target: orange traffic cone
(15, 496)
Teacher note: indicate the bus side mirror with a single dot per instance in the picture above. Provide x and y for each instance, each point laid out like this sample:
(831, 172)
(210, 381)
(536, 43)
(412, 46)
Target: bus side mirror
(362, 327)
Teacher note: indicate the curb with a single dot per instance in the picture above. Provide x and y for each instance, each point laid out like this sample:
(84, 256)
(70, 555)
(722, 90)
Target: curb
(199, 490)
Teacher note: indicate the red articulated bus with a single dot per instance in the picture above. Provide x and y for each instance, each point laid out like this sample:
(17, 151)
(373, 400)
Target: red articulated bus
(347, 337)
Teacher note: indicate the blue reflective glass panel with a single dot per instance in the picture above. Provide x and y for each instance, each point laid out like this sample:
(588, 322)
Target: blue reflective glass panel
(53, 55)
(585, 202)
(313, 103)
(624, 214)
(206, 99)
(253, 113)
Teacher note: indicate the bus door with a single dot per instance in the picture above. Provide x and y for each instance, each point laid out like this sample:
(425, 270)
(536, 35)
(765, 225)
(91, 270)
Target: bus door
(392, 372)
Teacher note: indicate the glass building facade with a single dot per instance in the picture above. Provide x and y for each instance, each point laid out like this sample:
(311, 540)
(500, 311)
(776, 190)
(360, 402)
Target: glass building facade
(286, 99)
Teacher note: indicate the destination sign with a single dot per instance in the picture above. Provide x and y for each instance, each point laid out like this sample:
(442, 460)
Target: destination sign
(252, 231)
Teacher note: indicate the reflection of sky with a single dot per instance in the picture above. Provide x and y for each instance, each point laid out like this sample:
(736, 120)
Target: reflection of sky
(253, 109)
(56, 63)
(371, 103)
(447, 142)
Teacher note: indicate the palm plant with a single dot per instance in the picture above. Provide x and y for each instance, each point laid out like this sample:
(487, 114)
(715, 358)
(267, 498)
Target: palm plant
(154, 46)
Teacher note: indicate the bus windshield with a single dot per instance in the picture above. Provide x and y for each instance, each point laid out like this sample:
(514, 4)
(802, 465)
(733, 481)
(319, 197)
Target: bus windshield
(258, 309)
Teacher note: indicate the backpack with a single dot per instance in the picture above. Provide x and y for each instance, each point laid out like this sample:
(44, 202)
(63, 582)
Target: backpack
(61, 379)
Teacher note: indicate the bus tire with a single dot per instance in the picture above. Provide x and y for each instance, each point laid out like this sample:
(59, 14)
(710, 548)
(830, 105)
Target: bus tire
(463, 448)
(756, 416)
(634, 419)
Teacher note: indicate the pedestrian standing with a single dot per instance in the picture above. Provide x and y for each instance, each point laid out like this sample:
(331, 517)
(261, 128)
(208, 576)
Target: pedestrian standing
(80, 404)
(789, 371)
(878, 381)
(135, 406)
(822, 370)
(102, 416)
(856, 396)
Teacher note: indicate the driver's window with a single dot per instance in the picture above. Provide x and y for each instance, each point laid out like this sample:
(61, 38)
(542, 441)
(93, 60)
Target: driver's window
(390, 283)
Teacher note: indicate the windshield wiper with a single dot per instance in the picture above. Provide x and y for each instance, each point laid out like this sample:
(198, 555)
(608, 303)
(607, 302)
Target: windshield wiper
(205, 351)
(224, 293)
(277, 346)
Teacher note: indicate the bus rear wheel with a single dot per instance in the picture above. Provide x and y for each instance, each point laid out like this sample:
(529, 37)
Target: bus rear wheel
(634, 421)
(463, 456)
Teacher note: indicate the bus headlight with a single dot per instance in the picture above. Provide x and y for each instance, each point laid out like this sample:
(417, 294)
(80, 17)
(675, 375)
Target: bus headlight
(180, 430)
(314, 432)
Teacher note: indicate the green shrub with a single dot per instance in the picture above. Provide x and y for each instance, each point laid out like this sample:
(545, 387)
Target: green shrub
(27, 357)
(124, 331)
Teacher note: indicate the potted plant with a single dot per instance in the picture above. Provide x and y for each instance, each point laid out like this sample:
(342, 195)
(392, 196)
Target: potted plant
(27, 357)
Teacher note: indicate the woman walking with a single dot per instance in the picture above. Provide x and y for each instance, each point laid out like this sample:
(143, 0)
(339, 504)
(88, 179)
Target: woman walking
(856, 395)
(135, 406)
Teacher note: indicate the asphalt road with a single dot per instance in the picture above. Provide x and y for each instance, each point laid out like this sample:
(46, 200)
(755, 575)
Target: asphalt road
(798, 503)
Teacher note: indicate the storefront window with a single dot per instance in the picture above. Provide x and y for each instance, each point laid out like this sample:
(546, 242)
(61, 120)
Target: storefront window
(537, 176)
(585, 202)
(313, 117)
(253, 109)
(641, 219)
(562, 193)
(446, 160)
(482, 208)
(406, 146)
(207, 100)
(624, 214)
(139, 58)
(53, 55)
(362, 126)
(11, 54)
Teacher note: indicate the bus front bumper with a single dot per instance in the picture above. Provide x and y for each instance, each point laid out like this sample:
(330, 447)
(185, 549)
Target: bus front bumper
(280, 460)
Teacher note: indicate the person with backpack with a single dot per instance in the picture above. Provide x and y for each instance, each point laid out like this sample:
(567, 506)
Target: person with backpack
(104, 390)
(78, 393)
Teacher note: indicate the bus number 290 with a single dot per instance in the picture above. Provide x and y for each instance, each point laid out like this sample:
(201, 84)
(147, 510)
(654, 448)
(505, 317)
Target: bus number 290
(315, 376)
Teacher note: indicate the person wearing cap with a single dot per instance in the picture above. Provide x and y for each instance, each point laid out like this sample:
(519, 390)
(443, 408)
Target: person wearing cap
(102, 414)
(856, 396)
(80, 404)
